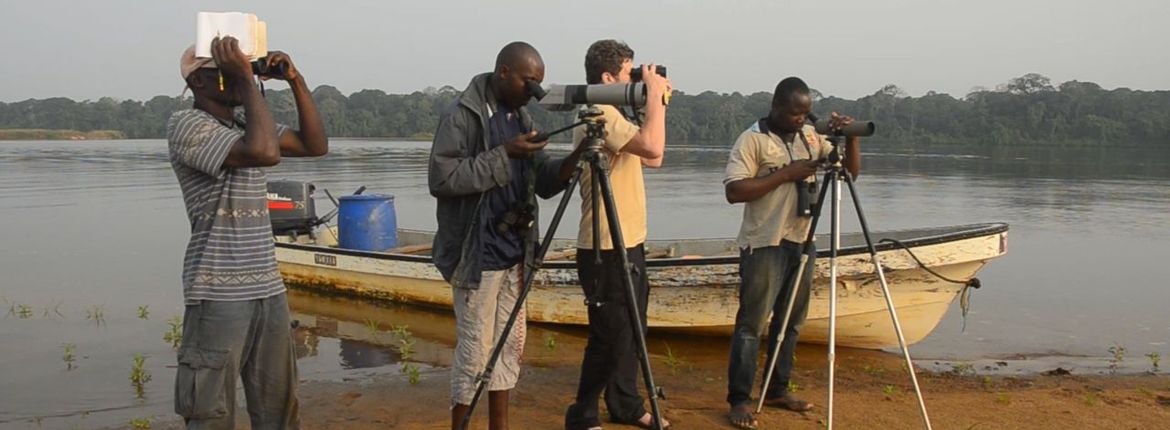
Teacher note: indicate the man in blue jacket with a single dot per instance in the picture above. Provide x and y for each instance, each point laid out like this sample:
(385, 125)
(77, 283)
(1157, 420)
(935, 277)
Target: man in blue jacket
(486, 173)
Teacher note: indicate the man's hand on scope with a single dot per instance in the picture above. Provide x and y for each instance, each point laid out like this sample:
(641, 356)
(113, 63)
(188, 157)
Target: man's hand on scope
(520, 147)
(656, 85)
(837, 122)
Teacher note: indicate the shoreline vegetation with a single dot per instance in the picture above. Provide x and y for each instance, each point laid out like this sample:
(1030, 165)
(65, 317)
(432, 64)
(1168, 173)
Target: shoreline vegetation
(1029, 110)
(17, 134)
(51, 134)
(25, 135)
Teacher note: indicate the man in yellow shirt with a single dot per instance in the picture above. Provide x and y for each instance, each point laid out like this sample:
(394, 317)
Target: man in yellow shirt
(769, 164)
(611, 362)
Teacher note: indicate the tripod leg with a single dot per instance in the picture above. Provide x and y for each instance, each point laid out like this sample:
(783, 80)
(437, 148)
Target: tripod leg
(596, 192)
(615, 231)
(834, 246)
(484, 377)
(808, 249)
(889, 300)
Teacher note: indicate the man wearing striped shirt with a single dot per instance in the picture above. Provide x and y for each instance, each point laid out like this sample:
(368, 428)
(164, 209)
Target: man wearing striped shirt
(236, 322)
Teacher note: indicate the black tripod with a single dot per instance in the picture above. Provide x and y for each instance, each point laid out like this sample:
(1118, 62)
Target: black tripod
(834, 175)
(598, 164)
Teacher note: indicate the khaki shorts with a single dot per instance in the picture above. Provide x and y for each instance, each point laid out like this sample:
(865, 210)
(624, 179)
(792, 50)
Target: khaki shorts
(480, 316)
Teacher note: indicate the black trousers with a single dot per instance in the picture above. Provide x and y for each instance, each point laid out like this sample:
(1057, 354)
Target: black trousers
(611, 360)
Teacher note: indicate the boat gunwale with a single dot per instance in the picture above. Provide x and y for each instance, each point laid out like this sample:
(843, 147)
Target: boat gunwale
(957, 233)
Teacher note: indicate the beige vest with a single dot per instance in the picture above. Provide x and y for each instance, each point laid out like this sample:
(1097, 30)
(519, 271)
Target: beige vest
(772, 218)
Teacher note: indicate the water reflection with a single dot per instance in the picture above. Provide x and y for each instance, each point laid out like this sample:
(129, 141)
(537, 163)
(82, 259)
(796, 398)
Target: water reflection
(354, 354)
(335, 336)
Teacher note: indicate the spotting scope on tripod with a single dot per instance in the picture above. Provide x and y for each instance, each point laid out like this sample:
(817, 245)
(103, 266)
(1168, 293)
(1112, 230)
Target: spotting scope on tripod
(835, 174)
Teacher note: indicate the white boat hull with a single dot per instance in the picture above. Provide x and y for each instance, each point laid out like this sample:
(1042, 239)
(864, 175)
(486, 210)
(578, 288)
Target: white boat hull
(690, 294)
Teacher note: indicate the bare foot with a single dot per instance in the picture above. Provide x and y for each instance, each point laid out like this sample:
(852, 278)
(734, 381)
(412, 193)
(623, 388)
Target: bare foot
(741, 417)
(789, 402)
(647, 421)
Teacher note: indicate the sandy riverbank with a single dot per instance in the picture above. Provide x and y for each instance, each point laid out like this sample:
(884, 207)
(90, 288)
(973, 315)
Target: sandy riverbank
(872, 388)
(872, 392)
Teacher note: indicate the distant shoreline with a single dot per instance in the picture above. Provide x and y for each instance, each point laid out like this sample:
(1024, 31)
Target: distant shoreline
(50, 134)
(22, 135)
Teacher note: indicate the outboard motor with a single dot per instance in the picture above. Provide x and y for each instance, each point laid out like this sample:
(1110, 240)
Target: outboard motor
(291, 208)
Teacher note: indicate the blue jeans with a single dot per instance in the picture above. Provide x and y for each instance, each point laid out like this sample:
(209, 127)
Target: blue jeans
(766, 277)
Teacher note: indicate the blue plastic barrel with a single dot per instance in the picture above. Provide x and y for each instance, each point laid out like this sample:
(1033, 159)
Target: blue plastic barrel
(367, 222)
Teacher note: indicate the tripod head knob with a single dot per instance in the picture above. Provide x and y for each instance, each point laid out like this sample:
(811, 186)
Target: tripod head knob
(594, 121)
(589, 112)
(834, 157)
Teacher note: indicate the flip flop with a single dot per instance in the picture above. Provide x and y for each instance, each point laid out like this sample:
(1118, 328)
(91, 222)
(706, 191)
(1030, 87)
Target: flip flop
(790, 403)
(743, 419)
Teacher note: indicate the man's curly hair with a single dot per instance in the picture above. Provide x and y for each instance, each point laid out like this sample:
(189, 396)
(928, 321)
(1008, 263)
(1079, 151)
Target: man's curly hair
(605, 56)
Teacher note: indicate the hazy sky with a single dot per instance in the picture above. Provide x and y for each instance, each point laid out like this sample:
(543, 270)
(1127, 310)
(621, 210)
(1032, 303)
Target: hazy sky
(850, 48)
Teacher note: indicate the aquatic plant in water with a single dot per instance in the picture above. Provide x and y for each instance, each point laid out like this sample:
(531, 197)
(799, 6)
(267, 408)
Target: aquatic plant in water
(54, 308)
(139, 376)
(141, 423)
(174, 334)
(400, 331)
(406, 348)
(1155, 360)
(97, 314)
(1118, 353)
(144, 312)
(372, 326)
(69, 357)
(412, 373)
(963, 369)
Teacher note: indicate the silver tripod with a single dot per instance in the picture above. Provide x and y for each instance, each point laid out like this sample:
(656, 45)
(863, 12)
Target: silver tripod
(834, 175)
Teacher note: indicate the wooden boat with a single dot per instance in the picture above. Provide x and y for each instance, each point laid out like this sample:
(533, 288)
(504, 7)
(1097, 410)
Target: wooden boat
(693, 281)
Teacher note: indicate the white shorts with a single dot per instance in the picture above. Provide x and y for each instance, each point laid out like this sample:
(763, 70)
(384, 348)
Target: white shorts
(480, 316)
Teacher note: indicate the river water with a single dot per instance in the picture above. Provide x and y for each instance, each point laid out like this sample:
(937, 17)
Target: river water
(92, 231)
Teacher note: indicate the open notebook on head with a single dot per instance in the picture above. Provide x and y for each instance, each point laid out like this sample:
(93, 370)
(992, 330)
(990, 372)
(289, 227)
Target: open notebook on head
(249, 30)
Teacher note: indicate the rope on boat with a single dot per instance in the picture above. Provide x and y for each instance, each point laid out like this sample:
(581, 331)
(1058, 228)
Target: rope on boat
(964, 294)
